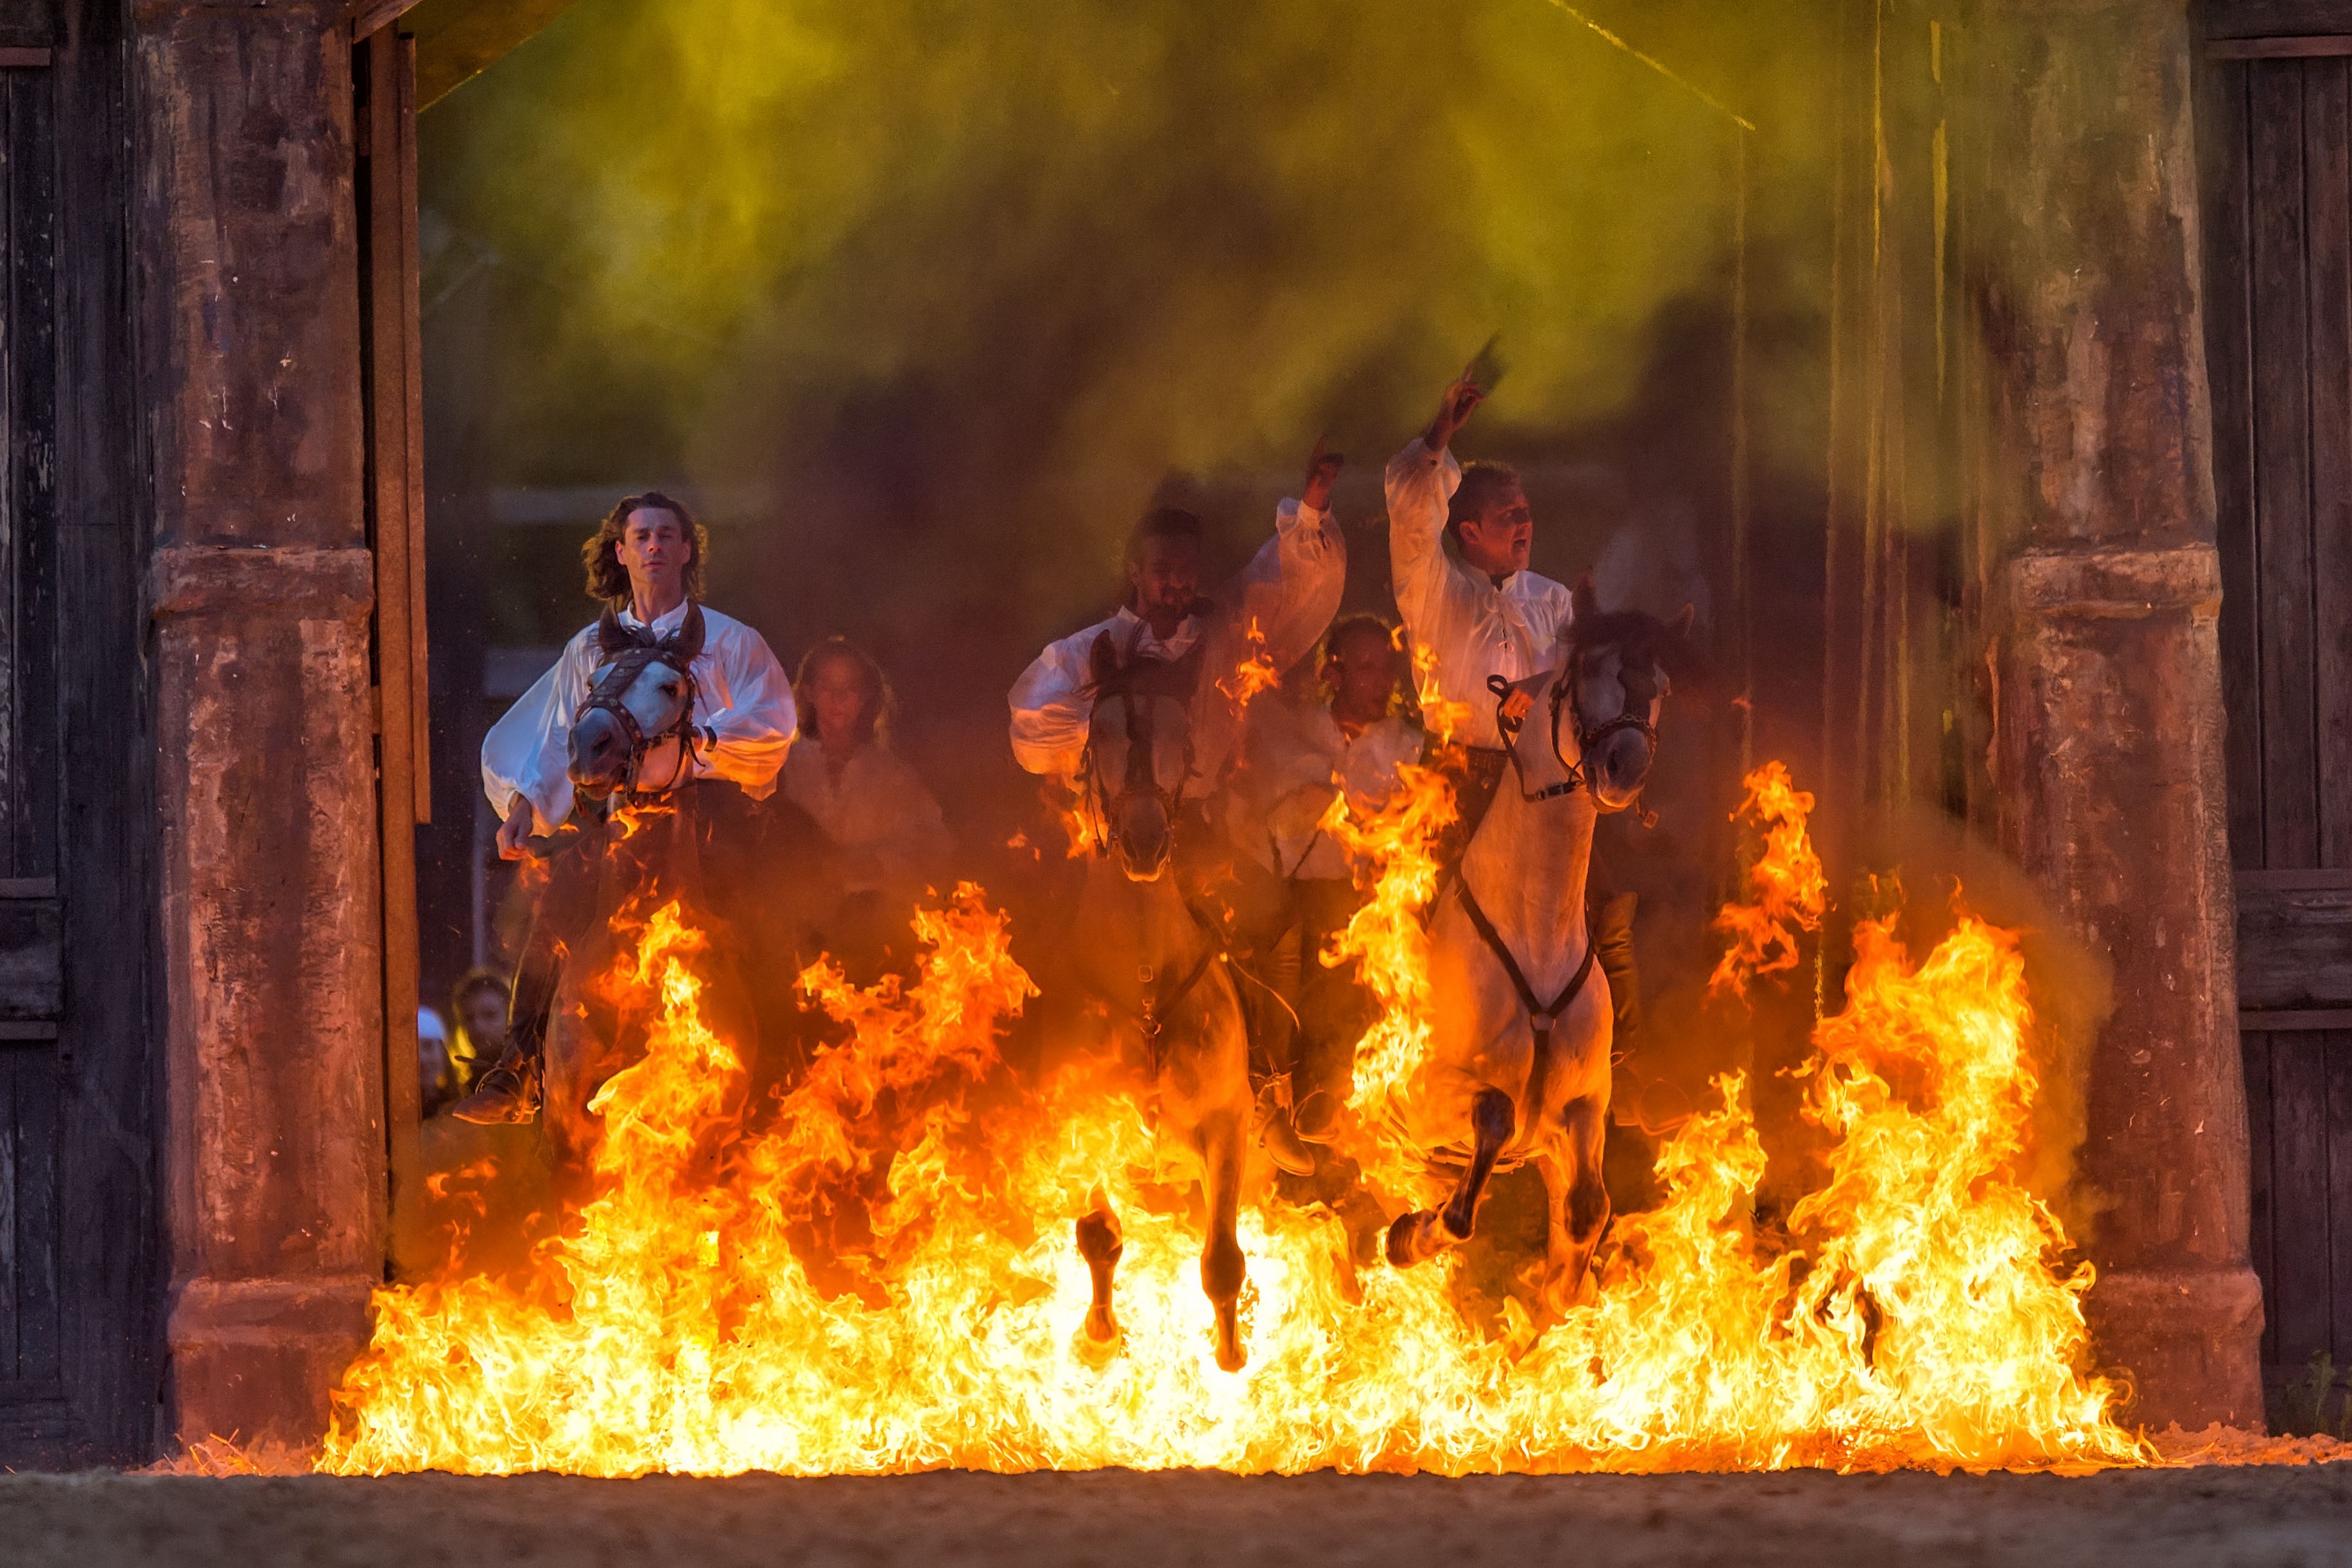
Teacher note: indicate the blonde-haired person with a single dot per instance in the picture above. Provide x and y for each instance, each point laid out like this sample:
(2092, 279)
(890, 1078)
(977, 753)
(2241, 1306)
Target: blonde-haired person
(889, 838)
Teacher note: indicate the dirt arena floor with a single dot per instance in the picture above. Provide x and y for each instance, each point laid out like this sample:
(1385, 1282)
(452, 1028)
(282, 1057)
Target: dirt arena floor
(2208, 1516)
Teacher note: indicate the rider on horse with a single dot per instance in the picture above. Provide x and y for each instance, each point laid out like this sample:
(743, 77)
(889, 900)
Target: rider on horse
(1482, 614)
(646, 562)
(1272, 613)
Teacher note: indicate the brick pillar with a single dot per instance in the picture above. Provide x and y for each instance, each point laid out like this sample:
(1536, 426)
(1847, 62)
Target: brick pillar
(2095, 479)
(260, 591)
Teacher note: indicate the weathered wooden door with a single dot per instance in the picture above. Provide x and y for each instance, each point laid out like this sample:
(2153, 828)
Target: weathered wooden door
(2279, 331)
(77, 1364)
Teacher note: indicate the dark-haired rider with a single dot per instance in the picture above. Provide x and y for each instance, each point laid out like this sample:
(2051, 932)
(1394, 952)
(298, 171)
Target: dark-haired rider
(1288, 593)
(646, 563)
(1481, 612)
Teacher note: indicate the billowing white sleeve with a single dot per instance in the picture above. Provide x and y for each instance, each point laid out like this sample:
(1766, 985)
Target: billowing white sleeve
(755, 728)
(1291, 588)
(1051, 710)
(1420, 485)
(527, 754)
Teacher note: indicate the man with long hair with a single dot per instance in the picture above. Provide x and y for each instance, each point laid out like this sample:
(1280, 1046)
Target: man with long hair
(645, 565)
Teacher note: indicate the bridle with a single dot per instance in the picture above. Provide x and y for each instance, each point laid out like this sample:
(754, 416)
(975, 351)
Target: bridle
(631, 649)
(1141, 778)
(1562, 699)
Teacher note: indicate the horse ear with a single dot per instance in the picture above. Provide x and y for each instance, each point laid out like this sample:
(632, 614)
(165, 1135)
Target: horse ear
(1102, 660)
(687, 638)
(611, 635)
(1584, 599)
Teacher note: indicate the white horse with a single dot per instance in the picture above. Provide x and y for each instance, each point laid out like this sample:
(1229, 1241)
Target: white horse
(1520, 1065)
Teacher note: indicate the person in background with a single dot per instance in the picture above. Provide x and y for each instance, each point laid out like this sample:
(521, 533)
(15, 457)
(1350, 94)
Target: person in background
(437, 1078)
(890, 839)
(479, 1002)
(1300, 758)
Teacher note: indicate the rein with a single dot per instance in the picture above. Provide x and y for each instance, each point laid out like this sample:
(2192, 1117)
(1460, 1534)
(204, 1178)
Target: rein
(1633, 717)
(1152, 1013)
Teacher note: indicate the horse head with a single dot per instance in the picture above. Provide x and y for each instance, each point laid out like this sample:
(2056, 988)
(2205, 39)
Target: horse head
(1139, 753)
(1593, 718)
(639, 709)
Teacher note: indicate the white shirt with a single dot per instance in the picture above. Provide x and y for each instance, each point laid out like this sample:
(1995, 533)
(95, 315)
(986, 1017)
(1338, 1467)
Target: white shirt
(739, 692)
(878, 807)
(1298, 761)
(1474, 628)
(1290, 590)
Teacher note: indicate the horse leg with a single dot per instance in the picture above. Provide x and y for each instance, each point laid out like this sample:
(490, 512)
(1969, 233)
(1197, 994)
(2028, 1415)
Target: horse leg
(1417, 1237)
(1100, 1241)
(1570, 1166)
(1223, 1268)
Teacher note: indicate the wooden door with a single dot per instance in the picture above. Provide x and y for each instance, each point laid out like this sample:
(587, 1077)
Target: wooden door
(77, 1362)
(2278, 114)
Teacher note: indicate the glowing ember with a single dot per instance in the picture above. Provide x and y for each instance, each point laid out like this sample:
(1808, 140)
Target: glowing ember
(1913, 1313)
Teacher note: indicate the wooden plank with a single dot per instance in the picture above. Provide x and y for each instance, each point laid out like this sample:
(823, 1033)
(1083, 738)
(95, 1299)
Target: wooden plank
(403, 162)
(2340, 1195)
(2294, 950)
(39, 1298)
(399, 525)
(2310, 46)
(2313, 880)
(2281, 1022)
(33, 466)
(106, 1199)
(2222, 19)
(2327, 202)
(2254, 1050)
(2229, 376)
(2300, 1222)
(2281, 462)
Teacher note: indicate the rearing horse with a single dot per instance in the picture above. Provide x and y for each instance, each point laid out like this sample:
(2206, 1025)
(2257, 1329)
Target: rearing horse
(1521, 1014)
(1161, 965)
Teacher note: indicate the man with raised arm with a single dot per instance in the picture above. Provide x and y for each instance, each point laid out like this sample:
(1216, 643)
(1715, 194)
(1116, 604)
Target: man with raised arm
(1288, 593)
(1481, 612)
(646, 563)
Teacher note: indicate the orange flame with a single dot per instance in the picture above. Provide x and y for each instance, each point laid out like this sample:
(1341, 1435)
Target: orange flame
(1254, 675)
(1915, 1312)
(1440, 716)
(1786, 882)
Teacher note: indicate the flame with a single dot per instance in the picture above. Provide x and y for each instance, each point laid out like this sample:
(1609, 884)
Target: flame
(1066, 798)
(1786, 882)
(1254, 675)
(1439, 714)
(878, 1273)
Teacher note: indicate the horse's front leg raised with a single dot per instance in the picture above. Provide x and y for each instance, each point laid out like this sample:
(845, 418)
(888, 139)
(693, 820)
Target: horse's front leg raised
(1569, 1162)
(1417, 1237)
(1223, 1268)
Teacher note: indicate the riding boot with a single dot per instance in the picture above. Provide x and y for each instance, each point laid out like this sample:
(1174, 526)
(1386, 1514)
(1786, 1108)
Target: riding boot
(1274, 1131)
(1611, 921)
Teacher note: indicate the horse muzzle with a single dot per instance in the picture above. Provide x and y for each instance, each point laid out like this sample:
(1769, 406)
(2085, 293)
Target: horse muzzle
(1619, 767)
(1145, 843)
(599, 756)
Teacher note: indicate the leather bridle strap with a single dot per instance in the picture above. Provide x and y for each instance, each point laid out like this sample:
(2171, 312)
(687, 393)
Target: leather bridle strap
(1151, 1017)
(1540, 1017)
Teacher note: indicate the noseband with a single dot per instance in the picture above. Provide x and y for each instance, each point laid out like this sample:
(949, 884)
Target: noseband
(631, 649)
(1634, 718)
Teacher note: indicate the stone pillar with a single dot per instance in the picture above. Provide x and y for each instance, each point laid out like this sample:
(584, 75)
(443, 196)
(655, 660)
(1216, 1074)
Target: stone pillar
(259, 589)
(2096, 481)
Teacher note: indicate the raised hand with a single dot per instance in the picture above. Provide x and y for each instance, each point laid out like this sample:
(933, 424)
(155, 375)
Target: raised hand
(1462, 398)
(1322, 471)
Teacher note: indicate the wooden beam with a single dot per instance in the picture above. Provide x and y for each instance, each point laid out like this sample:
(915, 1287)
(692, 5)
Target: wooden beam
(366, 17)
(23, 59)
(2319, 879)
(2309, 47)
(457, 40)
(2294, 1020)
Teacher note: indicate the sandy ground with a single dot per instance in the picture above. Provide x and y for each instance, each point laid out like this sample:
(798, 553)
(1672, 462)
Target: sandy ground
(2209, 1516)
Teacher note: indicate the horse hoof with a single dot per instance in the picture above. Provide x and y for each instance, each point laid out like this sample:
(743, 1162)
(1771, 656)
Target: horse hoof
(1101, 1327)
(1093, 1350)
(1230, 1356)
(1413, 1239)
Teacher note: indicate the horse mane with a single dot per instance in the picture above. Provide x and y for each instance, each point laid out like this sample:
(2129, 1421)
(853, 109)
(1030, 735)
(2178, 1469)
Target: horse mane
(1638, 635)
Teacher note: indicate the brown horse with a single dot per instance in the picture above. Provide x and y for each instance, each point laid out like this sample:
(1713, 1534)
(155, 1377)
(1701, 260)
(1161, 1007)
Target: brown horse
(1160, 965)
(1520, 1013)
